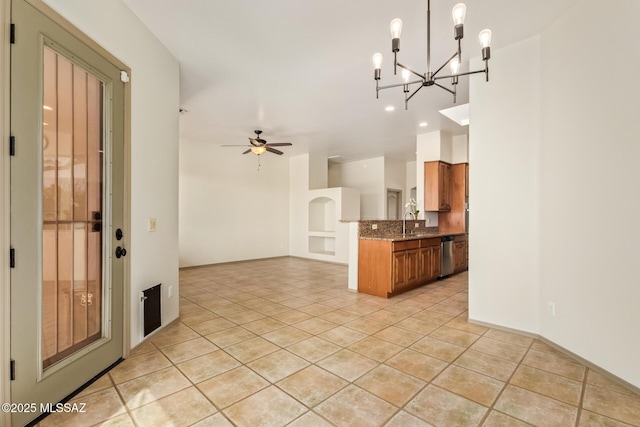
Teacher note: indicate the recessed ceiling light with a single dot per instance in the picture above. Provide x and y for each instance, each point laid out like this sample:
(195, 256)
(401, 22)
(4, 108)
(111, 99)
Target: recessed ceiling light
(423, 124)
(389, 108)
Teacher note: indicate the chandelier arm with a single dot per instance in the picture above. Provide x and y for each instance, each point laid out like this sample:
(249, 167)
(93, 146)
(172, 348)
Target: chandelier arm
(411, 96)
(410, 70)
(445, 88)
(400, 84)
(462, 74)
(444, 65)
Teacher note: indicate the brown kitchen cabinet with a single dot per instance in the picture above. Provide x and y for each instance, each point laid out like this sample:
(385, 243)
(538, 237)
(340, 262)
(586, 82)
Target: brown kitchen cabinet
(405, 269)
(437, 186)
(460, 253)
(386, 268)
(429, 259)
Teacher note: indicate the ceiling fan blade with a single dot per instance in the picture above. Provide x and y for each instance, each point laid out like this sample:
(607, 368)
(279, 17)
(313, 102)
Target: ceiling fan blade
(273, 150)
(278, 144)
(248, 151)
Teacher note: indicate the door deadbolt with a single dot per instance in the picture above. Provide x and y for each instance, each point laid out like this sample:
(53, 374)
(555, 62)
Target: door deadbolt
(119, 234)
(120, 252)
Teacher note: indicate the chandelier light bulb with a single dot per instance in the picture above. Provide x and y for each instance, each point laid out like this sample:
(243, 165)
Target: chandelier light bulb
(459, 12)
(485, 38)
(430, 77)
(455, 66)
(377, 61)
(406, 74)
(396, 28)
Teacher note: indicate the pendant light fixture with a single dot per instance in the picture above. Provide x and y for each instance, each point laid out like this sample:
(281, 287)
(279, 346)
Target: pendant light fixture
(430, 78)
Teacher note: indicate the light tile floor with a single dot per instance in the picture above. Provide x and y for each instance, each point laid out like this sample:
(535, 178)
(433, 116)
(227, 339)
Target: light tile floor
(282, 342)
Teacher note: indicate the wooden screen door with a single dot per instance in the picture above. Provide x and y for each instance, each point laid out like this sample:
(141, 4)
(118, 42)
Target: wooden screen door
(67, 118)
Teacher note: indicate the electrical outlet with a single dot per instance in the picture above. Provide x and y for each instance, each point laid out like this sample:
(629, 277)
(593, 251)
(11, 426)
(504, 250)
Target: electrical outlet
(170, 291)
(417, 225)
(551, 307)
(151, 224)
(374, 226)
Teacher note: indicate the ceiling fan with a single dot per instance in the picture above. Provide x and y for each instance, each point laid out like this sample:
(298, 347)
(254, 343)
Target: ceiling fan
(260, 146)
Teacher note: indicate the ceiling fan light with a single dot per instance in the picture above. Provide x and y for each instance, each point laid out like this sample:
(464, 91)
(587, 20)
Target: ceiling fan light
(258, 150)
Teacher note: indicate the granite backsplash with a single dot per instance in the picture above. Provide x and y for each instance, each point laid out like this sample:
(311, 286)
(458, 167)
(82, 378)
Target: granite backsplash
(392, 228)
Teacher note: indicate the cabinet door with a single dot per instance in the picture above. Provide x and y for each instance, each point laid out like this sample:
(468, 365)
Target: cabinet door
(444, 176)
(459, 255)
(466, 180)
(412, 266)
(425, 268)
(399, 270)
(435, 257)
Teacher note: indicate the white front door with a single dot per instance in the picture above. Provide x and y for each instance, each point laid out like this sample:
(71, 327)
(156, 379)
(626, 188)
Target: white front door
(67, 118)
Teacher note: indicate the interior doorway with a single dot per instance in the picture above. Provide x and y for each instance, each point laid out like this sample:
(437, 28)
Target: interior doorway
(394, 204)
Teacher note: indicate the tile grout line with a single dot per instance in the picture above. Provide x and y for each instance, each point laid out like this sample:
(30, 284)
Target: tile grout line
(506, 383)
(582, 393)
(441, 300)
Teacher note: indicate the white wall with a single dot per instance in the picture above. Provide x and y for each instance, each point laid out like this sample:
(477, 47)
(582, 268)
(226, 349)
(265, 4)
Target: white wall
(589, 181)
(154, 144)
(395, 176)
(319, 217)
(230, 210)
(366, 176)
(504, 144)
(318, 171)
(554, 158)
(428, 149)
(460, 149)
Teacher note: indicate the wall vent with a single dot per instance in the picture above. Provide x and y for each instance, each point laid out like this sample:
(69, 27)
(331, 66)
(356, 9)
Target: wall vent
(152, 309)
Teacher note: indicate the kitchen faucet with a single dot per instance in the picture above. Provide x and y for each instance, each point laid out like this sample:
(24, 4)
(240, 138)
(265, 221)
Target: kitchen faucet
(404, 222)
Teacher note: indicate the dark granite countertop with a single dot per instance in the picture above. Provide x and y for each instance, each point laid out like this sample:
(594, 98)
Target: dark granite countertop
(400, 237)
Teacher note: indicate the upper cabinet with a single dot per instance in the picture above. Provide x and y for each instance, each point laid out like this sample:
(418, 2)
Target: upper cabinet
(437, 186)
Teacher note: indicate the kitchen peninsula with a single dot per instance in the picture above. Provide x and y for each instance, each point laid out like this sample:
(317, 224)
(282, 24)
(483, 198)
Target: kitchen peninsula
(391, 262)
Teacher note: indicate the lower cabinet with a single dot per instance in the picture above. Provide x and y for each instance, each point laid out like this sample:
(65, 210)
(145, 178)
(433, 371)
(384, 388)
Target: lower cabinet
(430, 262)
(386, 267)
(405, 269)
(460, 253)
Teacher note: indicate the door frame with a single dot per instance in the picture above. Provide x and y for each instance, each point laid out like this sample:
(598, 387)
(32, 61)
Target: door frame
(5, 160)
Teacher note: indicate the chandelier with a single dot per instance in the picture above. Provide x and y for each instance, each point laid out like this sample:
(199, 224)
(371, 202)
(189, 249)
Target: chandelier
(430, 78)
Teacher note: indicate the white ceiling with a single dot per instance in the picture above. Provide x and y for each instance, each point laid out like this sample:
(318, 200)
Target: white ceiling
(301, 70)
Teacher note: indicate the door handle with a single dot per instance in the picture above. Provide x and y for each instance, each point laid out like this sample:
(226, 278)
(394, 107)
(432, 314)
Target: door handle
(120, 252)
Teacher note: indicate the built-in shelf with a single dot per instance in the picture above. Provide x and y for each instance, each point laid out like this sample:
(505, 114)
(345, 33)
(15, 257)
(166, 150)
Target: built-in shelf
(322, 214)
(322, 233)
(326, 233)
(322, 245)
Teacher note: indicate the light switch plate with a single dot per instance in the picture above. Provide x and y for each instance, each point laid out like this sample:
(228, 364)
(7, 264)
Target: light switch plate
(374, 226)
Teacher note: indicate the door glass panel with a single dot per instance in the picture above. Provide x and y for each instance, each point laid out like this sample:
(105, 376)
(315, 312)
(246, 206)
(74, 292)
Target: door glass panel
(72, 188)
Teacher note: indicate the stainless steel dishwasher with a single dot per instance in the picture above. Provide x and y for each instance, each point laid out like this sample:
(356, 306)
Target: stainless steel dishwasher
(446, 256)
